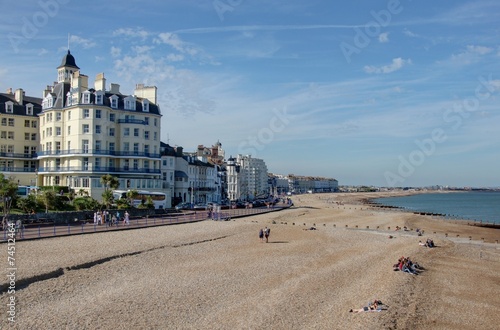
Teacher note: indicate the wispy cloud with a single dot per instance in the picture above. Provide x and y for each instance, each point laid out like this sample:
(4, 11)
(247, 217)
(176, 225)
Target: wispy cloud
(383, 37)
(85, 43)
(397, 64)
(132, 32)
(470, 55)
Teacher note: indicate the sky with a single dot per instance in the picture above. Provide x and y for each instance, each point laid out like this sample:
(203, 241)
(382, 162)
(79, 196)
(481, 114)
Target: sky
(385, 93)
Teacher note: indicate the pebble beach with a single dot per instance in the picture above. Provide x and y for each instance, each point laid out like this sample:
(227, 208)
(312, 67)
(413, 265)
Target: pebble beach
(220, 275)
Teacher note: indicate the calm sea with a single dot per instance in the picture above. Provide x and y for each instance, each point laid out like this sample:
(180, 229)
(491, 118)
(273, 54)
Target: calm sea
(480, 206)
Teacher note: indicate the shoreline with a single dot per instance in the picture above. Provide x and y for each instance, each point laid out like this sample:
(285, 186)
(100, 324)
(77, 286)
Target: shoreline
(218, 275)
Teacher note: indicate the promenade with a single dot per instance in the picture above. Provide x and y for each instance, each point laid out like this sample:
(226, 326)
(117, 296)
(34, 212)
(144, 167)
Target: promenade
(39, 231)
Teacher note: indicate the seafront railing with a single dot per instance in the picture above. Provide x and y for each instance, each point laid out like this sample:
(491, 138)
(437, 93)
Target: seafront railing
(46, 230)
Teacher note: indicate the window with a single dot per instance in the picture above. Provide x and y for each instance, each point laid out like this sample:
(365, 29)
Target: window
(10, 148)
(85, 163)
(58, 147)
(111, 117)
(33, 136)
(29, 109)
(69, 130)
(136, 132)
(146, 164)
(114, 101)
(145, 105)
(69, 115)
(57, 180)
(26, 123)
(98, 145)
(58, 116)
(98, 98)
(146, 120)
(136, 164)
(4, 121)
(112, 147)
(111, 131)
(3, 135)
(146, 149)
(10, 135)
(155, 121)
(98, 113)
(136, 148)
(11, 122)
(86, 128)
(126, 146)
(49, 131)
(33, 124)
(164, 162)
(58, 131)
(86, 98)
(49, 116)
(155, 136)
(27, 136)
(85, 146)
(126, 131)
(86, 113)
(97, 129)
(9, 107)
(33, 151)
(146, 135)
(26, 150)
(69, 145)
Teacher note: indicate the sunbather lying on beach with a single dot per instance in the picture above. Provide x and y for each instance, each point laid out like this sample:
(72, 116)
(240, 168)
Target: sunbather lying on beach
(375, 306)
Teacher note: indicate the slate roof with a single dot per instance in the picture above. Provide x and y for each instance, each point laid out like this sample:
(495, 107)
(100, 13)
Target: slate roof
(68, 60)
(20, 109)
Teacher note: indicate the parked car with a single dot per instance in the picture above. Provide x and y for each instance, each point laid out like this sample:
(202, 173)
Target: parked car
(183, 206)
(200, 206)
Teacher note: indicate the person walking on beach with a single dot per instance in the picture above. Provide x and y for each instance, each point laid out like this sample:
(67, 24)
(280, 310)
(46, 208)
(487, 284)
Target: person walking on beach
(126, 218)
(267, 232)
(261, 234)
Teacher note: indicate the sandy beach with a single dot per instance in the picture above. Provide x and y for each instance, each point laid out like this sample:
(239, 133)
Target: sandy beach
(219, 275)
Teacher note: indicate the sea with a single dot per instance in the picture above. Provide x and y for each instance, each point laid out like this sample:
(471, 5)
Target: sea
(471, 206)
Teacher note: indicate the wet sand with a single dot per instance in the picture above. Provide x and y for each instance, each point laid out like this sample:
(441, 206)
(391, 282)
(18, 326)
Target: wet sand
(218, 275)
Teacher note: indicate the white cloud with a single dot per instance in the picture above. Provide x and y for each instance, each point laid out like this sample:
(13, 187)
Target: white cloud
(142, 49)
(132, 33)
(175, 42)
(42, 51)
(383, 37)
(470, 55)
(175, 57)
(115, 51)
(397, 63)
(85, 43)
(408, 33)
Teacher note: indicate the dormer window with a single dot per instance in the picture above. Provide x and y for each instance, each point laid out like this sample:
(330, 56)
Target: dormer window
(99, 97)
(86, 97)
(69, 99)
(129, 103)
(145, 105)
(114, 101)
(9, 107)
(48, 102)
(29, 109)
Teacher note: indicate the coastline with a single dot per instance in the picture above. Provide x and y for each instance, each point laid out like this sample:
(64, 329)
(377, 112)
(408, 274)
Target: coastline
(218, 275)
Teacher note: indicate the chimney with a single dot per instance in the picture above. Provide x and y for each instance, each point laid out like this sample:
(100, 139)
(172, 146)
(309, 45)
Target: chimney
(115, 88)
(19, 95)
(9, 90)
(100, 82)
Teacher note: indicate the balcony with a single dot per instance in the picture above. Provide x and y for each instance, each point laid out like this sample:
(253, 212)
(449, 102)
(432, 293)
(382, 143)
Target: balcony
(98, 169)
(17, 169)
(91, 152)
(131, 121)
(14, 155)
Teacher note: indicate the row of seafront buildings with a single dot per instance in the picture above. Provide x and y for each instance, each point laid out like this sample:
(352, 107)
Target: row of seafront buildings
(78, 132)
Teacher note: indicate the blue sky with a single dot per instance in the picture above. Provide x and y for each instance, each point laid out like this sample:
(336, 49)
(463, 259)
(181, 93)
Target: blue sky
(386, 93)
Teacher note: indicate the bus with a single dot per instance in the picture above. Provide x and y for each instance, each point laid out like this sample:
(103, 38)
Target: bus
(24, 191)
(159, 198)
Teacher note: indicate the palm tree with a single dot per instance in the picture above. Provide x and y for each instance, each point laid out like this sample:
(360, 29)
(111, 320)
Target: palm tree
(110, 181)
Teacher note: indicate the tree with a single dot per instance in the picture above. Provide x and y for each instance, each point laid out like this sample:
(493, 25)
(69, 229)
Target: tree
(48, 199)
(131, 195)
(82, 192)
(27, 204)
(8, 193)
(85, 203)
(109, 182)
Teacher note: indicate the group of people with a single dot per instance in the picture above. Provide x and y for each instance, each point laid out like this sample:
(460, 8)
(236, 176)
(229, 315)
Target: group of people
(264, 233)
(406, 265)
(428, 243)
(105, 217)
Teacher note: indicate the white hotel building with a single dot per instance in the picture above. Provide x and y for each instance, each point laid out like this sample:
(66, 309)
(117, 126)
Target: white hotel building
(88, 131)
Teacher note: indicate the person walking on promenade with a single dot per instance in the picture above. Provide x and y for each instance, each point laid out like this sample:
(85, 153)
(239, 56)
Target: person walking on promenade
(267, 232)
(261, 234)
(95, 218)
(117, 218)
(126, 219)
